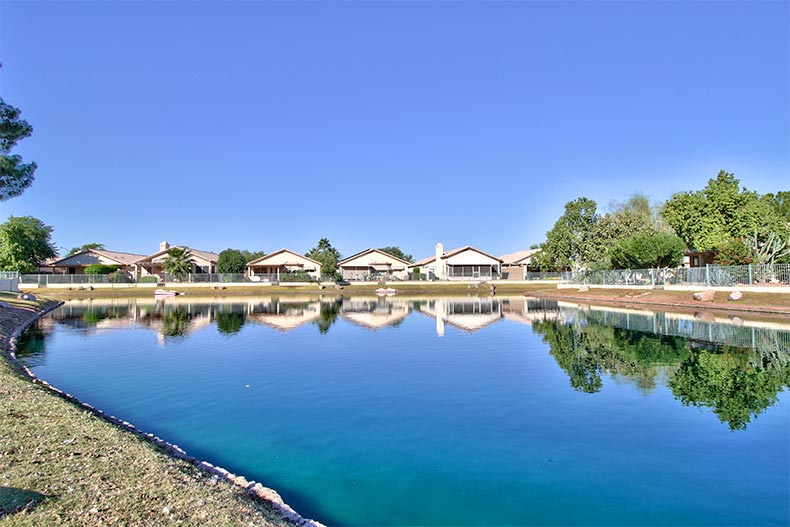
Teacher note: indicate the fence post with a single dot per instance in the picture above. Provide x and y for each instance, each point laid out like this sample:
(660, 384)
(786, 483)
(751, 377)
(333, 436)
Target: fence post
(750, 274)
(652, 278)
(707, 274)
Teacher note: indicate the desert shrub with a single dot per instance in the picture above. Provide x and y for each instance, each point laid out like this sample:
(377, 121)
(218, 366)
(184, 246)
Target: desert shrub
(150, 279)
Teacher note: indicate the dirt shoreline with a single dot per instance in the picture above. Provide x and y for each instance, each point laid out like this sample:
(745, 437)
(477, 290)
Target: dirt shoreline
(663, 301)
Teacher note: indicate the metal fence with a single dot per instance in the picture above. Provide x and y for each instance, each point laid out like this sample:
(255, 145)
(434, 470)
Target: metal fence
(710, 275)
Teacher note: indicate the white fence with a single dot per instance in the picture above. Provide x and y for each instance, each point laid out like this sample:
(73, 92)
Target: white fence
(710, 275)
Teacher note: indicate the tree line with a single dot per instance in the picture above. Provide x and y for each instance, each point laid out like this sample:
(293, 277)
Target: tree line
(736, 226)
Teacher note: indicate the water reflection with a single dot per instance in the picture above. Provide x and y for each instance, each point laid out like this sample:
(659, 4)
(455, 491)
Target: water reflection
(734, 367)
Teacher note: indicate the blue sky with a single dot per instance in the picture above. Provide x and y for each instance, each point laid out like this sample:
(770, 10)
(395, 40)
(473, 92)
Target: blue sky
(263, 125)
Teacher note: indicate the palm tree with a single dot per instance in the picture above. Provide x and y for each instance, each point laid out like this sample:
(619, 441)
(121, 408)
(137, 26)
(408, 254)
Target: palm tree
(178, 262)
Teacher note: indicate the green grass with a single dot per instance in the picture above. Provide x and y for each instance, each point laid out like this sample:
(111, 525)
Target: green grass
(61, 465)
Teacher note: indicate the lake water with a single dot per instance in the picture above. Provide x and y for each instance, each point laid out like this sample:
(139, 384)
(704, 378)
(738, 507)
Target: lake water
(442, 411)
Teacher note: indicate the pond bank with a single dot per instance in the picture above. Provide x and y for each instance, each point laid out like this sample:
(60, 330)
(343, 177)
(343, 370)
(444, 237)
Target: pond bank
(752, 303)
(65, 463)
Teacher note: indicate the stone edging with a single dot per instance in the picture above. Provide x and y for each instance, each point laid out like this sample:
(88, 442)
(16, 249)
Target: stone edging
(264, 494)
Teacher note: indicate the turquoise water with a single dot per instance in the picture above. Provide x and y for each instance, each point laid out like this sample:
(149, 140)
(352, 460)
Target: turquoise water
(473, 411)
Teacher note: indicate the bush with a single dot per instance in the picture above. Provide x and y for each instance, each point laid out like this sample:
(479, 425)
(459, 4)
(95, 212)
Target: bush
(100, 269)
(149, 279)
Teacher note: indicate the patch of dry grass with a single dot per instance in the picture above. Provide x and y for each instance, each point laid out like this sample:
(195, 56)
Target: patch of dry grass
(65, 466)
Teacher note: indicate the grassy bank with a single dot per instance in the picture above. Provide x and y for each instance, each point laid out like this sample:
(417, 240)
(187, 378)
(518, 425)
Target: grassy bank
(61, 465)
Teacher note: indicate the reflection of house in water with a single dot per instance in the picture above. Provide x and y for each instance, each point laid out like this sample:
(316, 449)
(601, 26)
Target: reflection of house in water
(467, 314)
(528, 310)
(284, 314)
(374, 313)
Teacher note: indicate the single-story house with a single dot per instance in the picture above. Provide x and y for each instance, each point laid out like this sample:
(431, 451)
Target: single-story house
(282, 262)
(464, 263)
(373, 264)
(77, 262)
(514, 265)
(203, 262)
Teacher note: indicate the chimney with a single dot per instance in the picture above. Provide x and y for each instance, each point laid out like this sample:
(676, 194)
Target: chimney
(164, 246)
(439, 264)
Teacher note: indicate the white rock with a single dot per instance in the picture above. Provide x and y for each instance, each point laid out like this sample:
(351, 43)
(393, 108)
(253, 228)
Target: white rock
(735, 295)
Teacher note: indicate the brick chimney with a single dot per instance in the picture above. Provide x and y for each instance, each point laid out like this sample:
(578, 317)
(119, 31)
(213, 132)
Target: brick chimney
(164, 246)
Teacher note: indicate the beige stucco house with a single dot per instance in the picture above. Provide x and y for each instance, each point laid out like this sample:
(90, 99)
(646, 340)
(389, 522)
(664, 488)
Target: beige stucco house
(464, 263)
(373, 264)
(282, 262)
(514, 265)
(203, 262)
(77, 262)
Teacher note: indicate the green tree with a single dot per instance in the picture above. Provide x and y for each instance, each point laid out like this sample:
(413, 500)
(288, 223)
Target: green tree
(252, 255)
(647, 250)
(570, 241)
(780, 203)
(397, 253)
(179, 262)
(86, 247)
(722, 211)
(15, 176)
(231, 261)
(25, 242)
(327, 255)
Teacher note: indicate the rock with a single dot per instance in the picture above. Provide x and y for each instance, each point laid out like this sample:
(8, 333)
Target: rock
(705, 316)
(584, 288)
(735, 296)
(27, 296)
(704, 296)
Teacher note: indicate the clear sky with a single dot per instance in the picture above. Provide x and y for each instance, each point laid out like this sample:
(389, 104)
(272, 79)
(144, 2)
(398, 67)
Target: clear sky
(261, 125)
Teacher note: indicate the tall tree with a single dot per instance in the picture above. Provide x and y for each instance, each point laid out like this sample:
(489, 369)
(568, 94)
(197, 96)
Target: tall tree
(571, 239)
(397, 253)
(327, 255)
(178, 262)
(86, 247)
(15, 176)
(722, 211)
(231, 261)
(25, 242)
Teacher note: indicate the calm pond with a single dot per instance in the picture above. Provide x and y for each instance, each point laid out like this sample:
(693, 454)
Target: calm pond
(448, 411)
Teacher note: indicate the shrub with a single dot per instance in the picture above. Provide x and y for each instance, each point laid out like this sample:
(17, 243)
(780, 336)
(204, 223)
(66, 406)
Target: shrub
(100, 269)
(150, 279)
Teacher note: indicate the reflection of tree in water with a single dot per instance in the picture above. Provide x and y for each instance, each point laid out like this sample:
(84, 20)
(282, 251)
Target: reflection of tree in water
(175, 322)
(230, 318)
(31, 345)
(736, 384)
(328, 315)
(586, 352)
(95, 314)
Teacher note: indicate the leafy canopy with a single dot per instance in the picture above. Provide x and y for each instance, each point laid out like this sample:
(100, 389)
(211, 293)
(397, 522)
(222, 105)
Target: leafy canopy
(15, 176)
(570, 240)
(397, 253)
(327, 255)
(722, 211)
(647, 250)
(86, 247)
(25, 242)
(231, 261)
